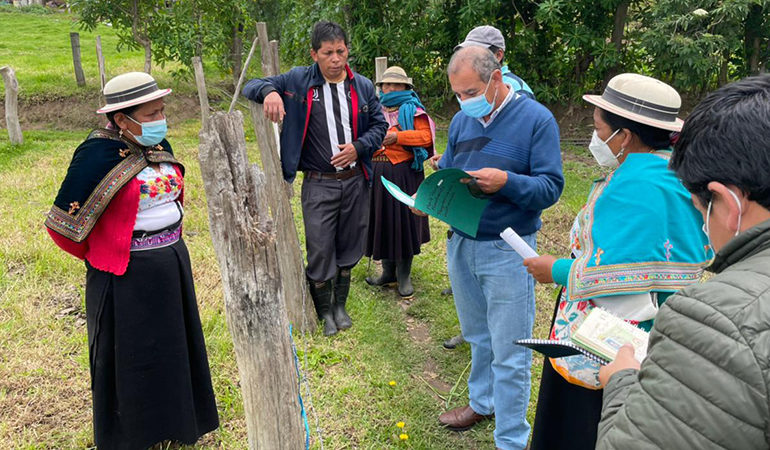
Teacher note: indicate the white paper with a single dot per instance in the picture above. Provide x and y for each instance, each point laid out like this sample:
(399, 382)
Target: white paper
(518, 244)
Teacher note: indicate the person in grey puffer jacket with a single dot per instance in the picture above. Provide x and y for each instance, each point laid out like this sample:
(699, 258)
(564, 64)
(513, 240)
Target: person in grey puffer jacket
(706, 380)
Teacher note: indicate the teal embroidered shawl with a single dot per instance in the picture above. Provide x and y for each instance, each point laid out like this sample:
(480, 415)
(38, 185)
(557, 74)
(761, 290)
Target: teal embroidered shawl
(639, 232)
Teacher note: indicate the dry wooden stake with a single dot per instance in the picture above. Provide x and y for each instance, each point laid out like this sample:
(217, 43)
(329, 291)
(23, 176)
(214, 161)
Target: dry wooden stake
(203, 95)
(75, 42)
(380, 65)
(12, 105)
(100, 61)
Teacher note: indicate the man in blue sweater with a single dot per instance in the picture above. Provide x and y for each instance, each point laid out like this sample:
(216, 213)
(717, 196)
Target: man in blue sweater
(510, 145)
(492, 39)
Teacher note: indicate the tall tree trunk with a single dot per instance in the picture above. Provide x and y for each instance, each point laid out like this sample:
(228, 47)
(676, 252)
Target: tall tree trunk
(237, 52)
(618, 30)
(752, 39)
(140, 36)
(722, 77)
(147, 56)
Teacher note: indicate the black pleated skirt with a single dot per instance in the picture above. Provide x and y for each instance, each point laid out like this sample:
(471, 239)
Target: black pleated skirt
(567, 415)
(150, 375)
(394, 231)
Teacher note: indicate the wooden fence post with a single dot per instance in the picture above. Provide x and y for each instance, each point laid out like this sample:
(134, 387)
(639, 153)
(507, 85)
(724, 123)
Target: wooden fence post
(246, 244)
(12, 105)
(203, 95)
(299, 307)
(380, 64)
(75, 42)
(100, 61)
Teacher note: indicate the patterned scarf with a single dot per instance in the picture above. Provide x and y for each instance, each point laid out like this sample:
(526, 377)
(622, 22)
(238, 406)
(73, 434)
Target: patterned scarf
(407, 102)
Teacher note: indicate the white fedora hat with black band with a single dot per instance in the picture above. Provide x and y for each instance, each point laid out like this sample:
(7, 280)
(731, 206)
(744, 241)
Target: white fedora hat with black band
(130, 89)
(641, 99)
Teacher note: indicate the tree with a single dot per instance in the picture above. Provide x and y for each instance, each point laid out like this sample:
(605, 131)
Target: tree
(700, 48)
(181, 29)
(131, 19)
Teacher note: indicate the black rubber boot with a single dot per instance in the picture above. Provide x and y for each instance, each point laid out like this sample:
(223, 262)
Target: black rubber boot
(388, 277)
(403, 272)
(322, 299)
(341, 289)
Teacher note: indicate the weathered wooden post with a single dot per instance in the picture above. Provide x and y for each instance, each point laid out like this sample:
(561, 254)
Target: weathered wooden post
(12, 105)
(246, 243)
(100, 61)
(299, 308)
(203, 96)
(75, 42)
(380, 64)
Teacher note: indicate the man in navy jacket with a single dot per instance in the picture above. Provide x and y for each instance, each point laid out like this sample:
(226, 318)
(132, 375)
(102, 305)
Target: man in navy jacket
(332, 123)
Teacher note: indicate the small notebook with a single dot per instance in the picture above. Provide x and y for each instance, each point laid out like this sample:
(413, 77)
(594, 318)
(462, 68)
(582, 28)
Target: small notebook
(603, 334)
(553, 348)
(598, 338)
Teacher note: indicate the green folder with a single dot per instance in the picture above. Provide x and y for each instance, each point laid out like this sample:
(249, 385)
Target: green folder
(443, 196)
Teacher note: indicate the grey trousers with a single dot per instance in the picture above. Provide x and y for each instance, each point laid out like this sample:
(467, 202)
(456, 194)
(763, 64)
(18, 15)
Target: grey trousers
(336, 214)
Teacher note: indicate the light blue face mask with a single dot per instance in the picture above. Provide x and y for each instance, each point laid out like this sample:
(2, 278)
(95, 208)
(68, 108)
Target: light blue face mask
(478, 106)
(152, 132)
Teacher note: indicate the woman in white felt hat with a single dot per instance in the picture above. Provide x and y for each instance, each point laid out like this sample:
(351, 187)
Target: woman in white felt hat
(395, 234)
(637, 240)
(119, 208)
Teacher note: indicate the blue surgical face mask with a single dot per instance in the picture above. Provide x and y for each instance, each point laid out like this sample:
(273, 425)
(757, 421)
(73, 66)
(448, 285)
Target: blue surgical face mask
(152, 132)
(478, 106)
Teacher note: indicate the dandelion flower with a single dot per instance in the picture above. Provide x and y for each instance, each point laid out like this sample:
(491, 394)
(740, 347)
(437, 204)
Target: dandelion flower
(400, 424)
(403, 436)
(392, 382)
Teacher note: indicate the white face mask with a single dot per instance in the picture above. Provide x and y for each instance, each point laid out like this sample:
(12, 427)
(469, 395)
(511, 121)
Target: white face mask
(708, 216)
(602, 152)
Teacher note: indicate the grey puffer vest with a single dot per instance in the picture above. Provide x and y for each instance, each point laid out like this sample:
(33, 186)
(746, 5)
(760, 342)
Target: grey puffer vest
(706, 378)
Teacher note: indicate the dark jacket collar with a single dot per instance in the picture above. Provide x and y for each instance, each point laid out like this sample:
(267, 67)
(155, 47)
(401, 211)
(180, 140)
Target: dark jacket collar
(746, 244)
(317, 78)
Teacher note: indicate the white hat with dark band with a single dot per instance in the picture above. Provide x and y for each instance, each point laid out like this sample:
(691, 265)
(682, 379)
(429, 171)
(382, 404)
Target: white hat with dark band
(395, 75)
(641, 99)
(130, 89)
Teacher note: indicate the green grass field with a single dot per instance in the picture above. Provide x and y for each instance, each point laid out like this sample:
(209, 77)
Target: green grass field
(44, 381)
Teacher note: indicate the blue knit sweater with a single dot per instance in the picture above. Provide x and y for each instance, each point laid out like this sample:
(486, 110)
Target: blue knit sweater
(522, 140)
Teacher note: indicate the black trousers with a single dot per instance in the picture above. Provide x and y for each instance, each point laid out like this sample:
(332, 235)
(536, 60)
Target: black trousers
(336, 213)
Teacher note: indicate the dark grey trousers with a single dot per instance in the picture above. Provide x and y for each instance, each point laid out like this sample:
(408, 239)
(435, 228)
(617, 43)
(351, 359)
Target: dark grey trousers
(336, 214)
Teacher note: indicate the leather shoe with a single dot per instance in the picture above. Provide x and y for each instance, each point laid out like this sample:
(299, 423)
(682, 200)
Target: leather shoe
(462, 418)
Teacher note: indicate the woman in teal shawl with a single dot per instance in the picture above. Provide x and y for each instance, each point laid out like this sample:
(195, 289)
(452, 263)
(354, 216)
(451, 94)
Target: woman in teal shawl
(395, 234)
(637, 240)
